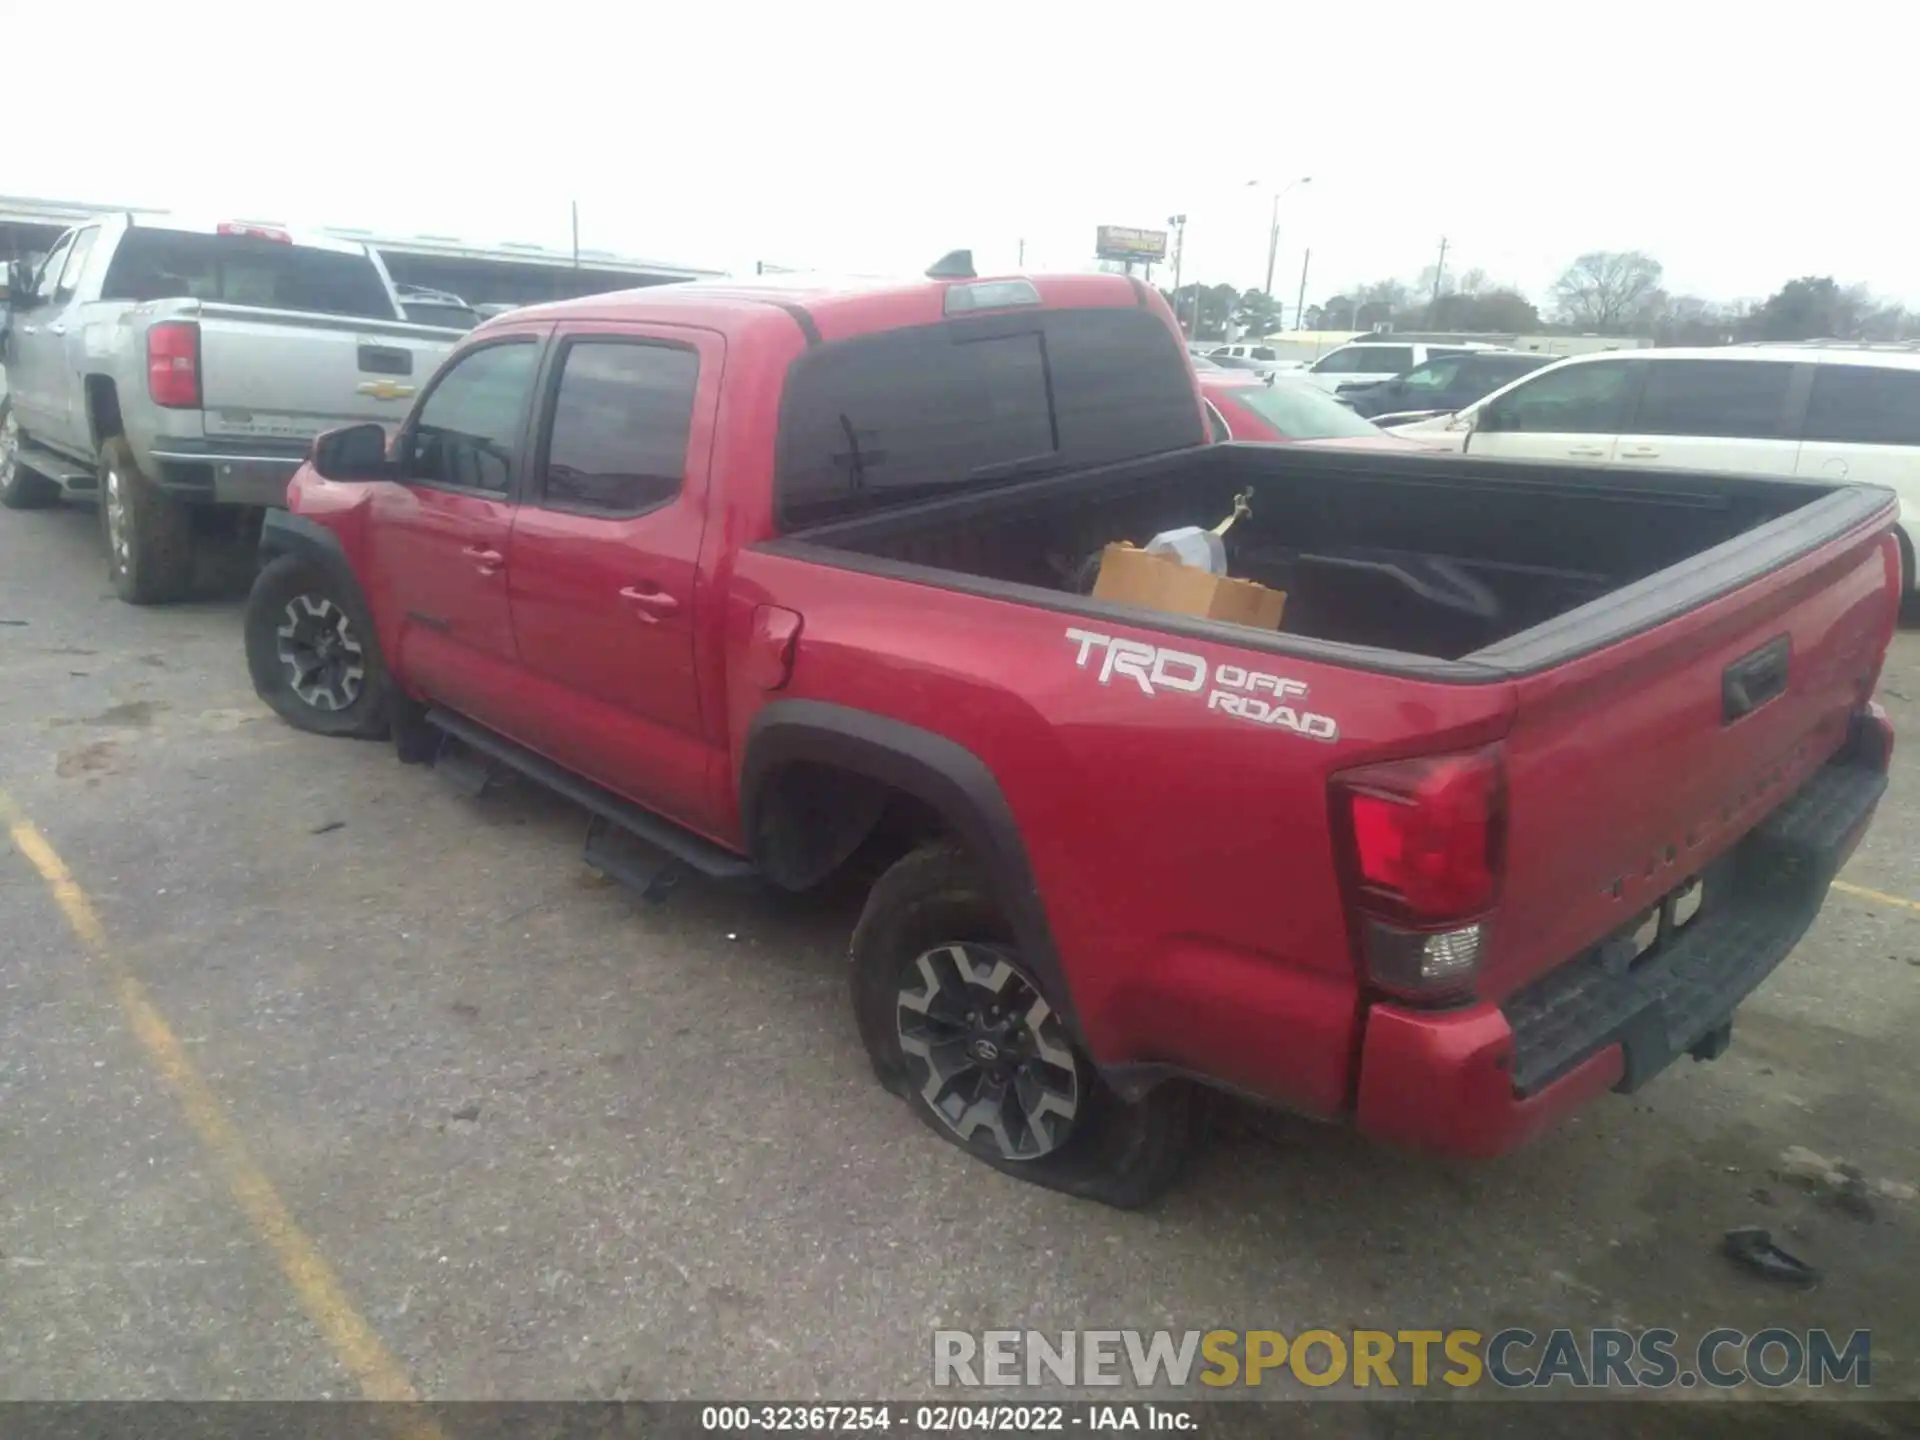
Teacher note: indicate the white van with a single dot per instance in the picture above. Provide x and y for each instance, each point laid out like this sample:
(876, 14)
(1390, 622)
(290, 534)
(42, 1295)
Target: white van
(1822, 412)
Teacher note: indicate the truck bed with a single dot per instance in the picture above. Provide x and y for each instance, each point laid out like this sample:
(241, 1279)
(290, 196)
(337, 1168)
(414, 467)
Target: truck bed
(1436, 558)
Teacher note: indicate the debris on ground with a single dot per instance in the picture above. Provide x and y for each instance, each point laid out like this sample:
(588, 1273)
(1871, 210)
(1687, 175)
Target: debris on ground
(1752, 1248)
(1840, 1184)
(1799, 1163)
(468, 1112)
(328, 826)
(1847, 1193)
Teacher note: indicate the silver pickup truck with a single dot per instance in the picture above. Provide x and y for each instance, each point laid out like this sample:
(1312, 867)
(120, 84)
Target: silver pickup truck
(170, 368)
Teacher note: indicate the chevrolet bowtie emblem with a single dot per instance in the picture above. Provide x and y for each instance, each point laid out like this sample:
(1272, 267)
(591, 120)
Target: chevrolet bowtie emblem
(385, 390)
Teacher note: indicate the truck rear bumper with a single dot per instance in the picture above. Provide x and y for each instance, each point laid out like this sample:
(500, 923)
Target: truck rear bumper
(257, 477)
(1480, 1080)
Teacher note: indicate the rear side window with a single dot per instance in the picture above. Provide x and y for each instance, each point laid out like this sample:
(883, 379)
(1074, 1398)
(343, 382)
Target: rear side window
(618, 442)
(1740, 399)
(1386, 359)
(916, 412)
(245, 270)
(1864, 405)
(1435, 374)
(76, 262)
(452, 317)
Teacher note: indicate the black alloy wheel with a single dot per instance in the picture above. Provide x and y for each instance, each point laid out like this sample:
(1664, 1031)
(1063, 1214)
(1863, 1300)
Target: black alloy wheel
(986, 1052)
(320, 652)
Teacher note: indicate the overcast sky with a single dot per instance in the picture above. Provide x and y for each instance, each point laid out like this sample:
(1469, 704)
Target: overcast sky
(1740, 145)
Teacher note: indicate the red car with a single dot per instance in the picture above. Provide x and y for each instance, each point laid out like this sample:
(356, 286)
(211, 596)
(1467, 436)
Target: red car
(1242, 407)
(1541, 773)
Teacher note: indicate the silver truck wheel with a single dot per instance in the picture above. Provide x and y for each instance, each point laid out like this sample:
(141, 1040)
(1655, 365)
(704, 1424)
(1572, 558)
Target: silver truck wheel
(21, 488)
(114, 497)
(149, 534)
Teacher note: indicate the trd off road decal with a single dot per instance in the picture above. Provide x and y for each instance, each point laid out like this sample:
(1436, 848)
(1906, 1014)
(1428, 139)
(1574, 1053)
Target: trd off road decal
(1234, 690)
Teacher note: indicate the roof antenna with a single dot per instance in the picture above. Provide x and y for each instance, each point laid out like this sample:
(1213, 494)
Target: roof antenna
(954, 265)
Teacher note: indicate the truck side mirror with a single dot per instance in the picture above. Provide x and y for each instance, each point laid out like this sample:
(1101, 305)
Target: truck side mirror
(353, 452)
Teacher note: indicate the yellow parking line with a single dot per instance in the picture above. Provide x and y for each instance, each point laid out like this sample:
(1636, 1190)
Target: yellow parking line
(1878, 896)
(321, 1295)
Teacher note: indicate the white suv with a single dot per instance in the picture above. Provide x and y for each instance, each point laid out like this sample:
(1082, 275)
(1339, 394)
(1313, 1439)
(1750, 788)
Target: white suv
(1368, 362)
(1820, 412)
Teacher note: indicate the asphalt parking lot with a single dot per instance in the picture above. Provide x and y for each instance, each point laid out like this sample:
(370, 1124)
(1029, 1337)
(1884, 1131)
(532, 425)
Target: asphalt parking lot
(366, 1084)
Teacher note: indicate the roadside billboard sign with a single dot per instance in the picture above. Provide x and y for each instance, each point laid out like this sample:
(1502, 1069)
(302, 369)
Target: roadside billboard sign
(1122, 242)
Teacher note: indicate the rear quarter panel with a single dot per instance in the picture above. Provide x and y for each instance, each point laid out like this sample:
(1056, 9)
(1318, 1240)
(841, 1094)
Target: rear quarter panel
(1183, 854)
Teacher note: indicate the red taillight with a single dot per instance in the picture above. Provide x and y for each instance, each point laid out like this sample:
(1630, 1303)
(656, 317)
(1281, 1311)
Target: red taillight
(173, 364)
(1425, 832)
(1425, 841)
(254, 232)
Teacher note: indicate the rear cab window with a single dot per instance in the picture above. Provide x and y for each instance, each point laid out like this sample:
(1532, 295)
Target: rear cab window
(155, 264)
(918, 412)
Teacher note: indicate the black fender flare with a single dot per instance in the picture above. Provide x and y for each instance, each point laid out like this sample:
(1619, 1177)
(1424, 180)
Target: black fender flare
(939, 772)
(284, 533)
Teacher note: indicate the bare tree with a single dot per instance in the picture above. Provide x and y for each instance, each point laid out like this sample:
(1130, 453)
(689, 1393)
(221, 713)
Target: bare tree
(1610, 290)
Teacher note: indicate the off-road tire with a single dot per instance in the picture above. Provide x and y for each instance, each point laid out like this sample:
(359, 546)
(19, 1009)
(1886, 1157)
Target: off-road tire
(1122, 1154)
(148, 533)
(344, 691)
(21, 486)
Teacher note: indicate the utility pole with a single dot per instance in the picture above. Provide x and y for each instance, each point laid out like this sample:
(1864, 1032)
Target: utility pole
(1439, 271)
(1300, 300)
(1021, 264)
(576, 234)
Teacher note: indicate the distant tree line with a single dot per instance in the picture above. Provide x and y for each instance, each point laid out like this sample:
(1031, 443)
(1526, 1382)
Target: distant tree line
(1604, 292)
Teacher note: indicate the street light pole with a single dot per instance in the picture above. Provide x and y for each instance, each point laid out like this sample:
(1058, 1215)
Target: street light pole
(1273, 229)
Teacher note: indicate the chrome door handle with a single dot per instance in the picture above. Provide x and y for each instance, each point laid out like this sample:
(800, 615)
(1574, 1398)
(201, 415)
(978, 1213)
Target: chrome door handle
(56, 329)
(29, 329)
(1640, 452)
(1587, 452)
(653, 604)
(488, 562)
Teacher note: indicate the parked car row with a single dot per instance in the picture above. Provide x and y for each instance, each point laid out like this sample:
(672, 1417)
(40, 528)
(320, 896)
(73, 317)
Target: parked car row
(1833, 414)
(768, 578)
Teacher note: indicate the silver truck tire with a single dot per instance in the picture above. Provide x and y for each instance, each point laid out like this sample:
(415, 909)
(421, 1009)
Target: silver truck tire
(21, 487)
(149, 534)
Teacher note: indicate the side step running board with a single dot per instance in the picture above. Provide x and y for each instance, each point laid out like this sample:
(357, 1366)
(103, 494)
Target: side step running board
(695, 852)
(57, 468)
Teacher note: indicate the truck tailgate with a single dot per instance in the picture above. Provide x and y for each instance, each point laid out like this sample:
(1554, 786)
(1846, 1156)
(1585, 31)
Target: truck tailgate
(1632, 768)
(284, 375)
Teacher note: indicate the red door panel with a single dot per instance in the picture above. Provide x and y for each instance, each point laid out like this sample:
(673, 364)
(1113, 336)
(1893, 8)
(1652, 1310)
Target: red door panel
(604, 560)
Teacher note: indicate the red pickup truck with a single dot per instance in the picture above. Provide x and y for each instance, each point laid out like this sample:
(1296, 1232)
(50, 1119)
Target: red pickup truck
(1546, 768)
